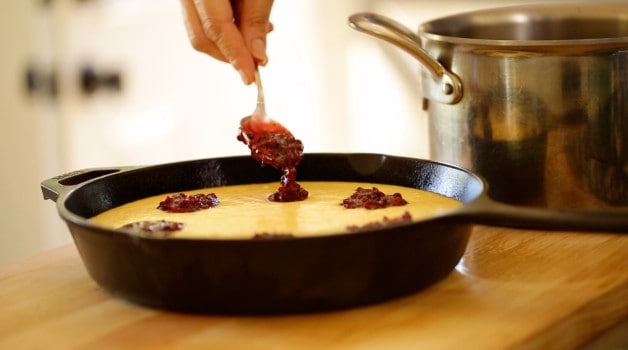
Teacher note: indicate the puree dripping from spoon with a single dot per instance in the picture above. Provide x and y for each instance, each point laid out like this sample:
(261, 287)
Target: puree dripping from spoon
(273, 144)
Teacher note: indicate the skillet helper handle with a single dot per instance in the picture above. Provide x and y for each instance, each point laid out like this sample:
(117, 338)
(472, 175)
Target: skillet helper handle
(60, 185)
(439, 85)
(486, 211)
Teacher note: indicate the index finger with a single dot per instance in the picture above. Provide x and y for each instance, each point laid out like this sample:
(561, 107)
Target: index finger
(218, 22)
(196, 33)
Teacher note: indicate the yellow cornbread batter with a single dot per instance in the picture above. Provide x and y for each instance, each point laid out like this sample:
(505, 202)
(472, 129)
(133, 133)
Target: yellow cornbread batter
(245, 210)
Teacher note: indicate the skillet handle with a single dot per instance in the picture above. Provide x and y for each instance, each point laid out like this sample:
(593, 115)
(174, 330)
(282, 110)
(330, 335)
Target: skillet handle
(485, 211)
(56, 186)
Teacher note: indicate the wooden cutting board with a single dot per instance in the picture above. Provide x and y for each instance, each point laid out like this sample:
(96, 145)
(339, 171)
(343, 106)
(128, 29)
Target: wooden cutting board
(513, 289)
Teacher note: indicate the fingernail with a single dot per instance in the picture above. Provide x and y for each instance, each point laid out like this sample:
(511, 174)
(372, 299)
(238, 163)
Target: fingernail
(258, 49)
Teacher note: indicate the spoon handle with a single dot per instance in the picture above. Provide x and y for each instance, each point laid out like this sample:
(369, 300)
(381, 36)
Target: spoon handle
(260, 109)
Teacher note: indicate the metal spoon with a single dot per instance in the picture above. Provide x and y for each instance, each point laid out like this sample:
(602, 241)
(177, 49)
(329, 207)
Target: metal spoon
(259, 122)
(272, 144)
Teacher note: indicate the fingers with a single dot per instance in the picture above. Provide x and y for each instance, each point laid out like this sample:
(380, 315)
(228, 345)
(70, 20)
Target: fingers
(236, 35)
(254, 24)
(196, 33)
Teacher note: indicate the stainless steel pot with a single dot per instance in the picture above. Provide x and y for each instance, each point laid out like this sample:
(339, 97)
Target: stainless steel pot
(534, 98)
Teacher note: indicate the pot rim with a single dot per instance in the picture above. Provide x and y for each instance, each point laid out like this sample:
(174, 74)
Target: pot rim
(445, 29)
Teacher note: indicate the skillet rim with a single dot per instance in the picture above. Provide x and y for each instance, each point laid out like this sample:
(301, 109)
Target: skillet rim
(70, 217)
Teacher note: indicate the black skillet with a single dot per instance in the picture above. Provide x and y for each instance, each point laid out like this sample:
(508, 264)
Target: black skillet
(291, 274)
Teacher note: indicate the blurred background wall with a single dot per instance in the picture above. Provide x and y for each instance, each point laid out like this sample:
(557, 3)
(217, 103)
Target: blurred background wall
(338, 90)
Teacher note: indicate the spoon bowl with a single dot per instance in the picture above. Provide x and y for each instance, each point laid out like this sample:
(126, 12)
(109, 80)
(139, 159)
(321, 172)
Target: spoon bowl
(259, 122)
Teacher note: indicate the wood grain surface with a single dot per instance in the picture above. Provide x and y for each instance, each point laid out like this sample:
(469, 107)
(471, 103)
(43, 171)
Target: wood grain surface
(513, 289)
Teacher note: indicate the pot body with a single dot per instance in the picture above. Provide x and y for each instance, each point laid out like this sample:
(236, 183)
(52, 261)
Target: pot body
(543, 114)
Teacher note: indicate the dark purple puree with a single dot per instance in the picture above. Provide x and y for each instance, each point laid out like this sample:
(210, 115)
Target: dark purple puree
(372, 199)
(159, 228)
(279, 149)
(375, 199)
(385, 222)
(181, 203)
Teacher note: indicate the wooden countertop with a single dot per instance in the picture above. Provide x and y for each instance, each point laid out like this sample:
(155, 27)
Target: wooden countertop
(513, 289)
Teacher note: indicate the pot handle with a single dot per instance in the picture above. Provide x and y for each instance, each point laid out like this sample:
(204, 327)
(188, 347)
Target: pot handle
(443, 86)
(486, 211)
(57, 186)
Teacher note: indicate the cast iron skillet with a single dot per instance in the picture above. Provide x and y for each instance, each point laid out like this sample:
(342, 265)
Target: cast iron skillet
(292, 274)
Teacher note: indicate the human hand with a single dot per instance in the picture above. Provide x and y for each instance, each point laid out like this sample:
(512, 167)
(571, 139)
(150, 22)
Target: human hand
(233, 31)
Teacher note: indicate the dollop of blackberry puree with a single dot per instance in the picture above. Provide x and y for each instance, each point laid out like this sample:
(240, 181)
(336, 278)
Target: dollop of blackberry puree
(182, 203)
(283, 152)
(372, 199)
(156, 228)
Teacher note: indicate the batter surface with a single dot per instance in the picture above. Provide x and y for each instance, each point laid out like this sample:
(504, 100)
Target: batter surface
(245, 210)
